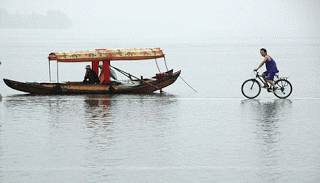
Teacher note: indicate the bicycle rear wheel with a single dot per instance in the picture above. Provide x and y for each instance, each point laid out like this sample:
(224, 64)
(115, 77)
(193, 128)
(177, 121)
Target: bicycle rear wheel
(284, 89)
(251, 88)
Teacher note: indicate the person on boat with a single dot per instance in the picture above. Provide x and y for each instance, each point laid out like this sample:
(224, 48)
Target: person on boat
(271, 68)
(91, 76)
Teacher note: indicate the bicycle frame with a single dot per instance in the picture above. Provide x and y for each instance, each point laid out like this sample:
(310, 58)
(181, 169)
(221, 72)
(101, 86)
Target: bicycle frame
(262, 80)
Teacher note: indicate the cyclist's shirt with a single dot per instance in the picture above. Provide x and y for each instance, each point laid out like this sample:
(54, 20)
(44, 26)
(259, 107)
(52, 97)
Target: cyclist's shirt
(271, 65)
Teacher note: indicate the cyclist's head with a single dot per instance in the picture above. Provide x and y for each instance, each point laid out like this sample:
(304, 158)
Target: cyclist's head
(263, 51)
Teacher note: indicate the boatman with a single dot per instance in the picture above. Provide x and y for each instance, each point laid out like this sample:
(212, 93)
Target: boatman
(91, 76)
(271, 68)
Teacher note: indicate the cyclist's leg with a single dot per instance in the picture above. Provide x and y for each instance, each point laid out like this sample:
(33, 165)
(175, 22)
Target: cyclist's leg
(270, 78)
(264, 78)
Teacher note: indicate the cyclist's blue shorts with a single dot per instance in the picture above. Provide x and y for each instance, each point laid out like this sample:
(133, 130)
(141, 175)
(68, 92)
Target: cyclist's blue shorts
(270, 75)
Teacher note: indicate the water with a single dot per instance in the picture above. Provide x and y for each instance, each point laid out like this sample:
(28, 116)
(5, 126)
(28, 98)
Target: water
(213, 135)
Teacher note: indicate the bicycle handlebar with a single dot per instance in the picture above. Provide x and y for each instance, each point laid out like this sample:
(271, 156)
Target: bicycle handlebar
(256, 73)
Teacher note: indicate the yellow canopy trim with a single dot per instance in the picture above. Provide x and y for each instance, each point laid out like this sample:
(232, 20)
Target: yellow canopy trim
(107, 54)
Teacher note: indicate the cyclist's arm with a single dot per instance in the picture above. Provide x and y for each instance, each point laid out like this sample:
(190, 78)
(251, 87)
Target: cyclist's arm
(264, 60)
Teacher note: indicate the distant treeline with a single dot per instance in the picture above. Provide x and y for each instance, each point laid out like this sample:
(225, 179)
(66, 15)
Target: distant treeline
(52, 20)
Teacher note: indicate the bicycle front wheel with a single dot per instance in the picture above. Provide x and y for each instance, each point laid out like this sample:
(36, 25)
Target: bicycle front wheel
(251, 88)
(284, 88)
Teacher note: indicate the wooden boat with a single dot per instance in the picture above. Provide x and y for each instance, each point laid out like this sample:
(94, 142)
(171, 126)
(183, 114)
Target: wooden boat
(106, 86)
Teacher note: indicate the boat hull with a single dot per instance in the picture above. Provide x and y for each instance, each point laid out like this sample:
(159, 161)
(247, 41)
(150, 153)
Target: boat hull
(145, 86)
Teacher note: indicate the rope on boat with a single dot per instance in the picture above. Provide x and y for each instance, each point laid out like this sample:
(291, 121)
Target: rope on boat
(188, 84)
(165, 62)
(129, 76)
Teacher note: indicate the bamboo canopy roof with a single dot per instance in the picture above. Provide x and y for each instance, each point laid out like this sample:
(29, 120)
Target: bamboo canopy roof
(106, 54)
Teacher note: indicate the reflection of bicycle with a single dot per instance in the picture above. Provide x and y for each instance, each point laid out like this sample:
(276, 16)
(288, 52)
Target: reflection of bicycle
(251, 88)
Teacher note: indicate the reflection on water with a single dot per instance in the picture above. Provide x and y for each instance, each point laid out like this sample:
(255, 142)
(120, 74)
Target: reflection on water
(123, 129)
(268, 117)
(107, 138)
(97, 109)
(99, 130)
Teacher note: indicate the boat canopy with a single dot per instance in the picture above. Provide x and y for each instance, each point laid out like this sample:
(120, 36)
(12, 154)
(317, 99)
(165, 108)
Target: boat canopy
(106, 54)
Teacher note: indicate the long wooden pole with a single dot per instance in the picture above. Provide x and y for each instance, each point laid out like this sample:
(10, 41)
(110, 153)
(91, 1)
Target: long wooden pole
(129, 76)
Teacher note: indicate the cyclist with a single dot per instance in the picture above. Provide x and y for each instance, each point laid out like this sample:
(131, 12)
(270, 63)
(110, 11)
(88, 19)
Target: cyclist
(271, 68)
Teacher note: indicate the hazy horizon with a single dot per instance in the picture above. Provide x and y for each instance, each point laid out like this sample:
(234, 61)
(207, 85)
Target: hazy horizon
(188, 19)
(52, 20)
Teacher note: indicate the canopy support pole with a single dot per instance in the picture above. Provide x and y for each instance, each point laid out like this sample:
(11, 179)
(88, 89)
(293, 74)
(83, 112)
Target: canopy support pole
(95, 67)
(57, 72)
(165, 62)
(106, 71)
(49, 71)
(157, 65)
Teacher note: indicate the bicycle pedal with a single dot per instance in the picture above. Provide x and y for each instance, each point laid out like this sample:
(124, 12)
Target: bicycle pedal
(269, 89)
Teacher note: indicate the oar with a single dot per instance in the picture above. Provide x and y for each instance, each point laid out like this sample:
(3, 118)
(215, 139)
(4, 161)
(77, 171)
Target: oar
(129, 76)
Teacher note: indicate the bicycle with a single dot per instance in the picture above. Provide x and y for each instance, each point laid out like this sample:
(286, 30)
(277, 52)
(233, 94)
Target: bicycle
(251, 88)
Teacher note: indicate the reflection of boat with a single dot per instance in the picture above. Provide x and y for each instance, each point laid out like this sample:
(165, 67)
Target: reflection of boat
(136, 85)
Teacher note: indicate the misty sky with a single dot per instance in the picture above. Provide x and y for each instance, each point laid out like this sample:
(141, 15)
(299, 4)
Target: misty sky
(274, 18)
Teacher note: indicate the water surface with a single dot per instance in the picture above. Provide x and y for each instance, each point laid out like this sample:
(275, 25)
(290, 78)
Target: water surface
(213, 135)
